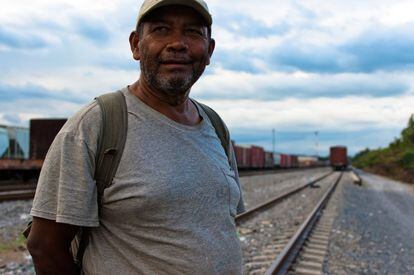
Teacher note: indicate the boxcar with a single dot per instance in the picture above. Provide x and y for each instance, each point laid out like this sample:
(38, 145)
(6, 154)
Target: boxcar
(285, 161)
(242, 156)
(257, 157)
(338, 157)
(42, 134)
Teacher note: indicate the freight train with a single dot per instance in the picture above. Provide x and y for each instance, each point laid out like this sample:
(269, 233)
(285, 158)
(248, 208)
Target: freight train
(338, 157)
(43, 131)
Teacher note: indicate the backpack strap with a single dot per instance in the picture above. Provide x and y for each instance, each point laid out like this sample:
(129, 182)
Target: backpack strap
(111, 143)
(224, 136)
(112, 138)
(221, 129)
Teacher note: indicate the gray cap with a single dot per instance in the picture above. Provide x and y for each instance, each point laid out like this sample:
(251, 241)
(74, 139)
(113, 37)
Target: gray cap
(199, 5)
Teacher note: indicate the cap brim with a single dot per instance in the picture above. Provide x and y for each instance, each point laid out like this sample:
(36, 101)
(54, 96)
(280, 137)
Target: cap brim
(192, 4)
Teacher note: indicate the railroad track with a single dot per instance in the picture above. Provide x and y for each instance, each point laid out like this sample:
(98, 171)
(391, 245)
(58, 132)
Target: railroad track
(15, 187)
(310, 240)
(16, 190)
(278, 256)
(17, 194)
(269, 203)
(249, 173)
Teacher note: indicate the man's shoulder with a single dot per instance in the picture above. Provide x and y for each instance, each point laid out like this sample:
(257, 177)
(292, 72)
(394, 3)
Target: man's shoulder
(88, 117)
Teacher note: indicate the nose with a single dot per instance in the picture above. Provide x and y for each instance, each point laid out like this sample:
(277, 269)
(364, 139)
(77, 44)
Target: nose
(177, 43)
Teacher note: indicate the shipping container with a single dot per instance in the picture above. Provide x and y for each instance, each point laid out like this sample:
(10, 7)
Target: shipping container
(42, 134)
(338, 157)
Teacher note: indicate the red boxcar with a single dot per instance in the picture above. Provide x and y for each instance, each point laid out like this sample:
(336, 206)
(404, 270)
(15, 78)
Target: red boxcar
(285, 161)
(338, 157)
(257, 157)
(294, 161)
(288, 161)
(249, 156)
(242, 156)
(42, 134)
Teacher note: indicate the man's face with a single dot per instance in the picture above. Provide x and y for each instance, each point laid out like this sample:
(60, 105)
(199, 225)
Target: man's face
(174, 48)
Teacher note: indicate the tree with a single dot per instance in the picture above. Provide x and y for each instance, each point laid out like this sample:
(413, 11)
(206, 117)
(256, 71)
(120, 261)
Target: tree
(407, 135)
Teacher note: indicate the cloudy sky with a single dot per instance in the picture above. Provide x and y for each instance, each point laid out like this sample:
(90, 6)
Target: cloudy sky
(343, 69)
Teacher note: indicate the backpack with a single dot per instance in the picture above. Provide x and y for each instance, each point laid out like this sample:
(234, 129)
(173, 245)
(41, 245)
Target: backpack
(111, 144)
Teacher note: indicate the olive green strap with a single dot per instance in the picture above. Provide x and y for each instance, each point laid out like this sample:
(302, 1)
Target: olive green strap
(111, 143)
(221, 129)
(112, 138)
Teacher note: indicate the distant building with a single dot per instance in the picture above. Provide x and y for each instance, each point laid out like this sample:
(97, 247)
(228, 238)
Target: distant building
(14, 142)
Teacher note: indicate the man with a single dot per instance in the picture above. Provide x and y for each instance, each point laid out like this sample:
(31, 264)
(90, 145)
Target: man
(171, 206)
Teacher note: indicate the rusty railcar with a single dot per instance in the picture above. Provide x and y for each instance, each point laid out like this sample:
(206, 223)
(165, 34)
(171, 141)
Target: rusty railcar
(42, 134)
(338, 157)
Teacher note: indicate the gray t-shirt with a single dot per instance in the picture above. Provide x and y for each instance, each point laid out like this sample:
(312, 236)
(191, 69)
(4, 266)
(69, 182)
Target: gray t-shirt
(172, 204)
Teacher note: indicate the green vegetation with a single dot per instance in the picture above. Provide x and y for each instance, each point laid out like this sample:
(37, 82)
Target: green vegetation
(17, 244)
(396, 161)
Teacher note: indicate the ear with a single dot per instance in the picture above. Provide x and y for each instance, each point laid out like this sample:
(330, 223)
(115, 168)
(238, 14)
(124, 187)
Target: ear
(133, 43)
(211, 47)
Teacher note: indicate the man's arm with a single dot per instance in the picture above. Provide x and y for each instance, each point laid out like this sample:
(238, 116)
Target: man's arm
(49, 244)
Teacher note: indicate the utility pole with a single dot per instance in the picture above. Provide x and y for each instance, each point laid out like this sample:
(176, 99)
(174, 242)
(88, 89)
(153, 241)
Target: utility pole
(273, 139)
(317, 143)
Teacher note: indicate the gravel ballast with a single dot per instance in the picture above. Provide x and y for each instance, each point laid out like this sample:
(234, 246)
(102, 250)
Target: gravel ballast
(259, 188)
(277, 223)
(14, 258)
(374, 230)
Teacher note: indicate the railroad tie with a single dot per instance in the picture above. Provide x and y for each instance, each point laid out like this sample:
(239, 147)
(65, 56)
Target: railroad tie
(303, 271)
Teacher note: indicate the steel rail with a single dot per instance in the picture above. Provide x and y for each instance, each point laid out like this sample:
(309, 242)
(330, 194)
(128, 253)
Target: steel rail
(258, 172)
(278, 198)
(17, 195)
(15, 187)
(285, 259)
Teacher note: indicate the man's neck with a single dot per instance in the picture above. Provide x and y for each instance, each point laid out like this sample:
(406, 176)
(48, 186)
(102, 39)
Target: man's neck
(178, 108)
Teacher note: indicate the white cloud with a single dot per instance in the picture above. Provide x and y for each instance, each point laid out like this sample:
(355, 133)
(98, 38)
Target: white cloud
(231, 84)
(80, 81)
(283, 42)
(324, 114)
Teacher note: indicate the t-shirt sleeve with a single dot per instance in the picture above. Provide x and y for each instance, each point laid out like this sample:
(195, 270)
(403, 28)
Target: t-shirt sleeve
(66, 191)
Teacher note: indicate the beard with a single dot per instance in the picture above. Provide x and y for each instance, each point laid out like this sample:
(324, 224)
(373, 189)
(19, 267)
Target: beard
(171, 84)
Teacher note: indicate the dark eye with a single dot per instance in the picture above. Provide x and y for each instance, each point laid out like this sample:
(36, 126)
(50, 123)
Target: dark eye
(160, 29)
(195, 31)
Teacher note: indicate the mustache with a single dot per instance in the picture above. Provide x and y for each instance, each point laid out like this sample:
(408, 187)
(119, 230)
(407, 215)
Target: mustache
(175, 59)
